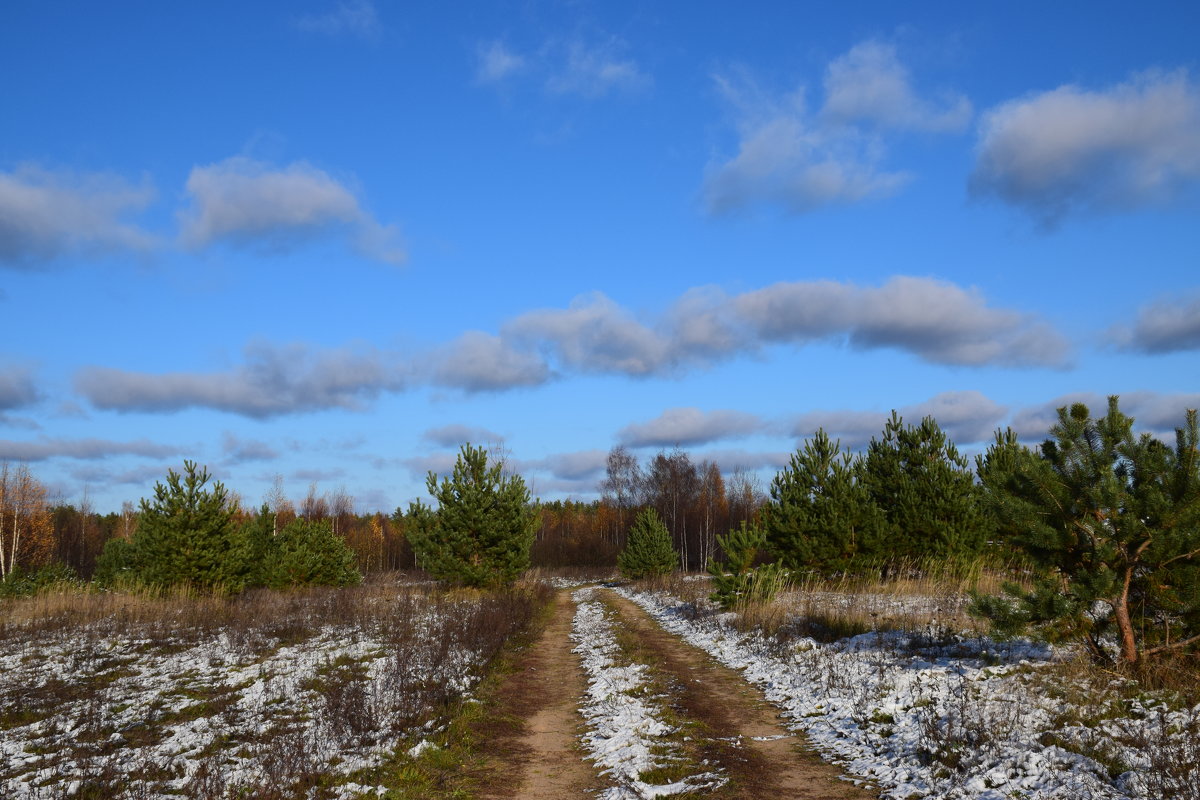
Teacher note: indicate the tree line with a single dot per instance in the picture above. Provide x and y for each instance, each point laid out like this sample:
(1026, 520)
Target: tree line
(1107, 520)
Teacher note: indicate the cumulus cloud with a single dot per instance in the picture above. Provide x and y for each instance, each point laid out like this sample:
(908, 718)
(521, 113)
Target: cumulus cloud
(478, 362)
(354, 17)
(689, 427)
(1078, 150)
(82, 449)
(799, 159)
(1167, 326)
(786, 161)
(249, 203)
(456, 435)
(17, 388)
(870, 84)
(965, 416)
(937, 321)
(44, 215)
(593, 69)
(272, 381)
(497, 62)
(594, 335)
(934, 320)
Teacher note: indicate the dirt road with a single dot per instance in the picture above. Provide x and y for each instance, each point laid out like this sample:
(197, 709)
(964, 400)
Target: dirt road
(729, 724)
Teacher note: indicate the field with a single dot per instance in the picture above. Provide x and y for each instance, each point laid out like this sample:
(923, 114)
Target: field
(265, 695)
(355, 693)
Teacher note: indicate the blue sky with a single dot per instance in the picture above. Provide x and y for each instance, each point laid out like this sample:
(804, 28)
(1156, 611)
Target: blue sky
(330, 240)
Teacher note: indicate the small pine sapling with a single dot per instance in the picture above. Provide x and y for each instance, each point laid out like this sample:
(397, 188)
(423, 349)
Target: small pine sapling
(737, 582)
(648, 551)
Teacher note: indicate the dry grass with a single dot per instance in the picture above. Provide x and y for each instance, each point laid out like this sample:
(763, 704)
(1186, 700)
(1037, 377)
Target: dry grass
(929, 599)
(413, 637)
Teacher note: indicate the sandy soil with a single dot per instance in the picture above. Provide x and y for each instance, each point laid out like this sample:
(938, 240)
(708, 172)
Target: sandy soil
(736, 730)
(546, 761)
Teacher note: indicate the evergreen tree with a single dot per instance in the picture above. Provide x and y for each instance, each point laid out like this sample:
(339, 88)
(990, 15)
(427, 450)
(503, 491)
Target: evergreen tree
(116, 564)
(482, 531)
(187, 535)
(1113, 521)
(254, 542)
(925, 491)
(820, 516)
(737, 582)
(648, 551)
(309, 553)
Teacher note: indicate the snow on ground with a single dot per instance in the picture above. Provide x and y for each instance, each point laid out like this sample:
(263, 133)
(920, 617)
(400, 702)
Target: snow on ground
(626, 737)
(208, 713)
(957, 718)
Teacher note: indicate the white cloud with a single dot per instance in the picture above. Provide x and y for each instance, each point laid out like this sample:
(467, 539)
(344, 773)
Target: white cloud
(799, 160)
(247, 202)
(438, 463)
(787, 161)
(479, 362)
(273, 381)
(45, 215)
(1076, 150)
(594, 335)
(17, 388)
(141, 476)
(1156, 412)
(1153, 412)
(83, 449)
(933, 320)
(456, 435)
(354, 17)
(580, 466)
(497, 62)
(239, 451)
(1167, 326)
(937, 321)
(689, 427)
(869, 83)
(852, 428)
(965, 416)
(594, 69)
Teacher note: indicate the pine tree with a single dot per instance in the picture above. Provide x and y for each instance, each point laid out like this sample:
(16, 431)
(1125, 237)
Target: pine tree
(736, 581)
(925, 491)
(1113, 521)
(648, 551)
(820, 516)
(187, 535)
(483, 529)
(309, 554)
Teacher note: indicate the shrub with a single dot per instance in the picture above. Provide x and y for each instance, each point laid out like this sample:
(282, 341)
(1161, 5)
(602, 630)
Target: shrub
(308, 553)
(19, 582)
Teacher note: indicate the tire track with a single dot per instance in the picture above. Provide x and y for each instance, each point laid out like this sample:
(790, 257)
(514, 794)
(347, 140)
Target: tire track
(737, 729)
